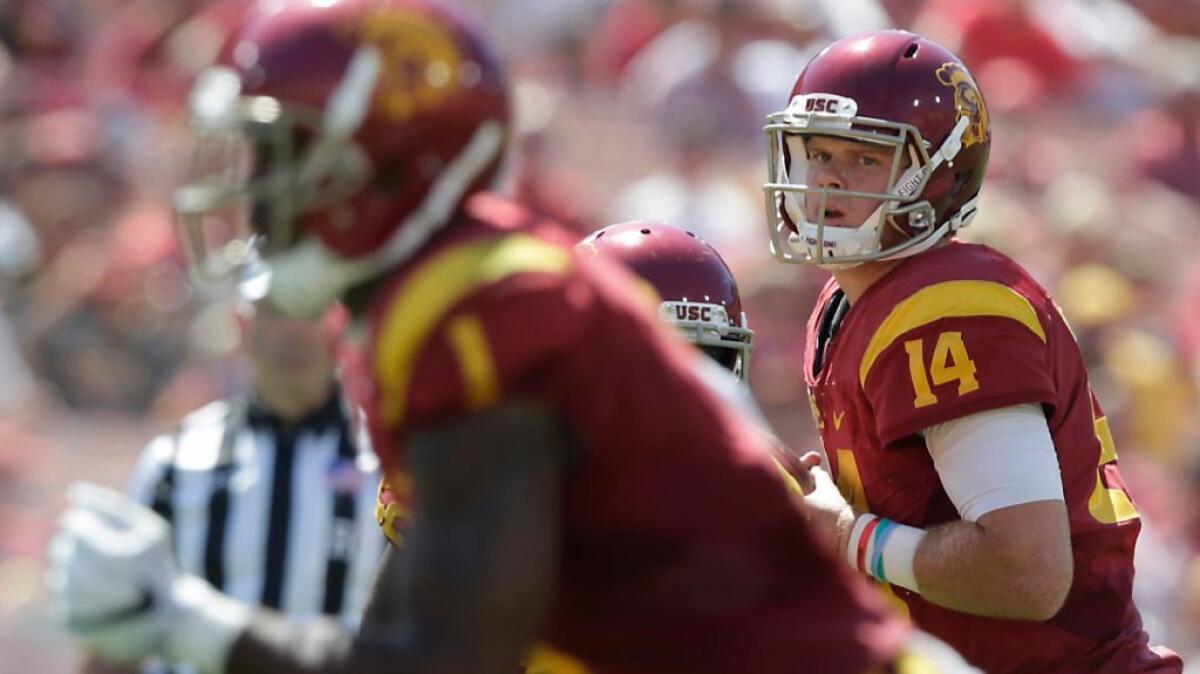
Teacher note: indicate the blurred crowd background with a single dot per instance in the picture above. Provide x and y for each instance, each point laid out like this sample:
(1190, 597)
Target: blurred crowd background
(625, 109)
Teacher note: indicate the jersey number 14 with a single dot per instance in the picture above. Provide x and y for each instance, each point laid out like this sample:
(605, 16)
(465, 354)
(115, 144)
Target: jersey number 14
(950, 363)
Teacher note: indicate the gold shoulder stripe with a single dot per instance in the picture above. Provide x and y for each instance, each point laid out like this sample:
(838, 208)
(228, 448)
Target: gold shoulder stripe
(480, 381)
(951, 299)
(546, 659)
(433, 289)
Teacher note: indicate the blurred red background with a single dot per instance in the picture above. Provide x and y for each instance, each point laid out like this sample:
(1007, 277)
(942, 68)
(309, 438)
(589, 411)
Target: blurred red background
(626, 109)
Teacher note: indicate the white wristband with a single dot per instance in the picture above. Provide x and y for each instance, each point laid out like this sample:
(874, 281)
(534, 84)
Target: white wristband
(208, 624)
(884, 549)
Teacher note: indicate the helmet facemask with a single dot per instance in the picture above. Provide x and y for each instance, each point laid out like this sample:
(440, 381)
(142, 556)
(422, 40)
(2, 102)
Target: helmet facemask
(257, 168)
(709, 327)
(802, 214)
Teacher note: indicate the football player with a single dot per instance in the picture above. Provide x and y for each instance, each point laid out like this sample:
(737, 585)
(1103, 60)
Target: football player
(574, 484)
(698, 293)
(698, 296)
(977, 473)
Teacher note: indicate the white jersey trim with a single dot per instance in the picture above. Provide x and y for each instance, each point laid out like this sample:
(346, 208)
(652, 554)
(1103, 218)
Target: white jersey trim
(996, 459)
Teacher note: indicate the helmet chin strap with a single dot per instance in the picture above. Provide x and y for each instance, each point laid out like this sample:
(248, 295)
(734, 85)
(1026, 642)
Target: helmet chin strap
(306, 279)
(310, 276)
(959, 220)
(846, 241)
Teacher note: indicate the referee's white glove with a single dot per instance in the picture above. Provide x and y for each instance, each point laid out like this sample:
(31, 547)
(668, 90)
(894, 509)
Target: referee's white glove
(114, 584)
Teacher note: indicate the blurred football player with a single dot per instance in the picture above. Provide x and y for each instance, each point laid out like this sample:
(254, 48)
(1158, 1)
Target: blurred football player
(976, 470)
(576, 490)
(699, 295)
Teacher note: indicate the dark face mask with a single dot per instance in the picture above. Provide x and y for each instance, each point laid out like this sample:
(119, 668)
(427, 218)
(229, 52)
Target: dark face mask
(725, 357)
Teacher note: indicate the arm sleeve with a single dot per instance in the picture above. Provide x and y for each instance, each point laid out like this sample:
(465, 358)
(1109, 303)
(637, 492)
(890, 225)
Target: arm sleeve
(996, 459)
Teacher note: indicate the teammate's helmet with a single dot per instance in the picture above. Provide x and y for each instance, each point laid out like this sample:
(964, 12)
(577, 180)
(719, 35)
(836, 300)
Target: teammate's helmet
(699, 294)
(335, 138)
(900, 91)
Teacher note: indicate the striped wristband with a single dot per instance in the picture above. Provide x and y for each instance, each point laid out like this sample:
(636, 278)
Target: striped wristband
(884, 549)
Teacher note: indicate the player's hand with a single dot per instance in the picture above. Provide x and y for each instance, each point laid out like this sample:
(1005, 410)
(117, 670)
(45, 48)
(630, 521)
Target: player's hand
(797, 467)
(803, 471)
(114, 584)
(829, 515)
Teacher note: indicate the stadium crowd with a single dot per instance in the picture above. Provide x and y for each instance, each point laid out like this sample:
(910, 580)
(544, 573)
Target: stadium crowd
(626, 109)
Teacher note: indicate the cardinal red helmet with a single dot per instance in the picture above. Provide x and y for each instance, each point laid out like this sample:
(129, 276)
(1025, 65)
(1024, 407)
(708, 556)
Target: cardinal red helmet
(895, 90)
(335, 137)
(699, 294)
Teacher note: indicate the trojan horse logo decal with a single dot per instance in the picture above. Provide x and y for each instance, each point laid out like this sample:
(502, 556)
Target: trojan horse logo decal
(969, 102)
(421, 62)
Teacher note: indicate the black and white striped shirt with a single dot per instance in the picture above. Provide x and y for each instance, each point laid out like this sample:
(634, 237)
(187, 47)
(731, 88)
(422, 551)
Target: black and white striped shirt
(274, 515)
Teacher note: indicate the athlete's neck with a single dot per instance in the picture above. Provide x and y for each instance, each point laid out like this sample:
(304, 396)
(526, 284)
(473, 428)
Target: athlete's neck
(855, 280)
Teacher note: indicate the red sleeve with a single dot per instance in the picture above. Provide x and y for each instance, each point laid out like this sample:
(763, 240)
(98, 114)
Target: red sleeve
(499, 341)
(953, 367)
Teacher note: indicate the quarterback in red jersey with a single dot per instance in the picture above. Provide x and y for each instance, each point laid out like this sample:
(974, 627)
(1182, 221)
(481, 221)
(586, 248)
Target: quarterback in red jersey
(977, 475)
(577, 491)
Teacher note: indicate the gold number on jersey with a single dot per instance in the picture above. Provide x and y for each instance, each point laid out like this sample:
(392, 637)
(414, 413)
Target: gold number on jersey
(916, 368)
(1109, 506)
(950, 363)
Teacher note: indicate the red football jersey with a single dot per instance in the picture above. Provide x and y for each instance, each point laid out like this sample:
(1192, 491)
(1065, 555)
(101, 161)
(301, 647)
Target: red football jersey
(958, 330)
(682, 549)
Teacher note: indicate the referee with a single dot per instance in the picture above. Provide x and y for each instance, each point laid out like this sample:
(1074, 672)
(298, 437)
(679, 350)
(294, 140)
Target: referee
(271, 494)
